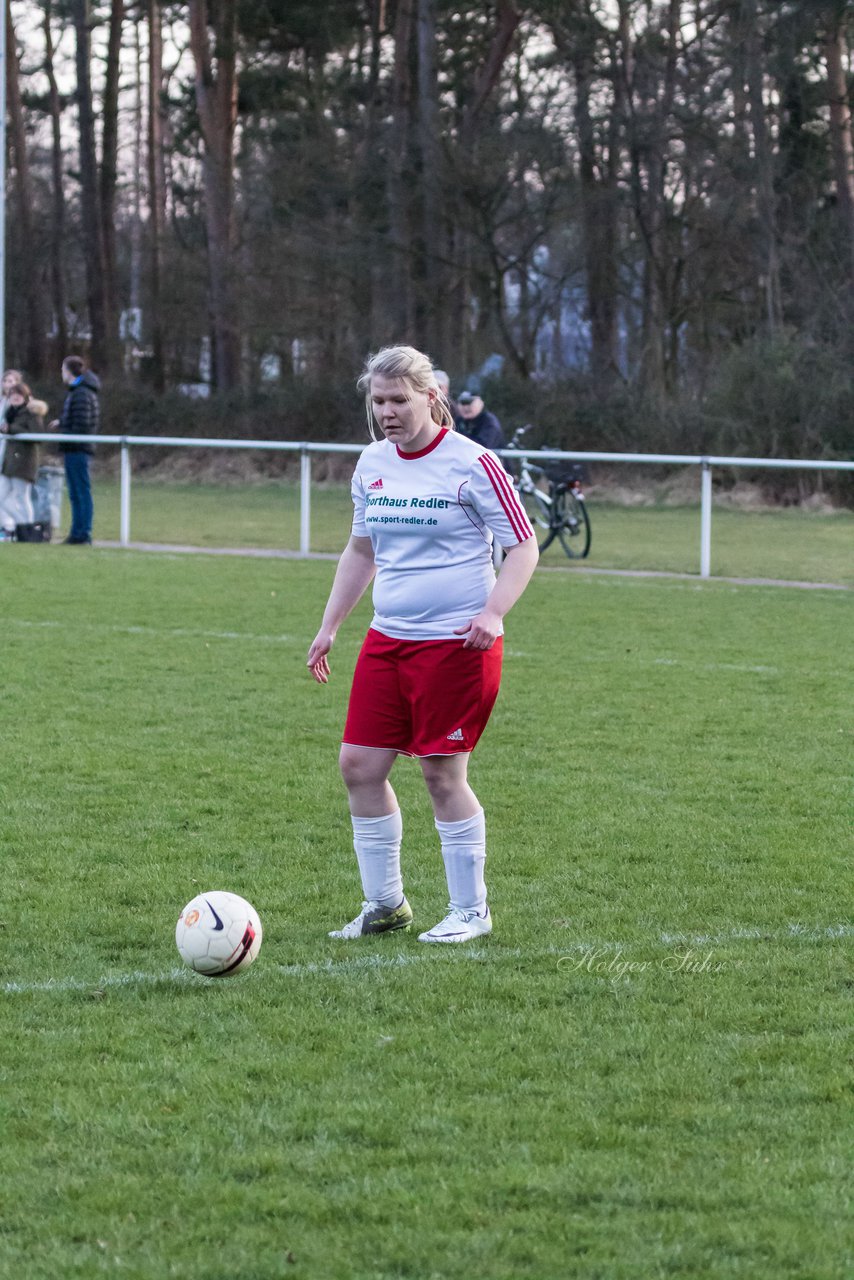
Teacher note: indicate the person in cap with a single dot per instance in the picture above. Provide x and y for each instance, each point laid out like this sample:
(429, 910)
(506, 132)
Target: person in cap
(477, 423)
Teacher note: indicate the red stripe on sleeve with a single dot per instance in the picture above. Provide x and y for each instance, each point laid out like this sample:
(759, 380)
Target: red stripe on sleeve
(507, 496)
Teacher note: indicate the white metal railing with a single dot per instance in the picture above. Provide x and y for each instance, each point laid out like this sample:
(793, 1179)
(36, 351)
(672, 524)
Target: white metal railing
(305, 449)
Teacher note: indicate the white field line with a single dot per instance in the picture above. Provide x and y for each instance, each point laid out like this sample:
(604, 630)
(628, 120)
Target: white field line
(800, 932)
(155, 632)
(738, 668)
(404, 960)
(172, 550)
(717, 666)
(183, 975)
(589, 573)
(600, 576)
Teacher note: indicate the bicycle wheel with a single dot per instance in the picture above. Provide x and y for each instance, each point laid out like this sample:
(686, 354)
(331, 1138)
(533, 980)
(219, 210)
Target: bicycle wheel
(538, 507)
(573, 524)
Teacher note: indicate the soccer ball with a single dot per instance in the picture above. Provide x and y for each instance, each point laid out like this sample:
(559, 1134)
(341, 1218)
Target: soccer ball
(218, 934)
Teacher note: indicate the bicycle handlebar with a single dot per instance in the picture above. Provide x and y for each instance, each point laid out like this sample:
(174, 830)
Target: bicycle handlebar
(517, 436)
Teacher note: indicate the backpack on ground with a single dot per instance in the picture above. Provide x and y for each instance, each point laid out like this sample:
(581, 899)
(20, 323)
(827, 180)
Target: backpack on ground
(36, 532)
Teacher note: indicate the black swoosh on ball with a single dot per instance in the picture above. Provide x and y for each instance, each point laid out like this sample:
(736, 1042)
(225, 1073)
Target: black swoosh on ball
(217, 922)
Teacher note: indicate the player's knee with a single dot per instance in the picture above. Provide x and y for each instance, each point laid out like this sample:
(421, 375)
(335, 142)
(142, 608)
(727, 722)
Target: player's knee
(360, 768)
(442, 782)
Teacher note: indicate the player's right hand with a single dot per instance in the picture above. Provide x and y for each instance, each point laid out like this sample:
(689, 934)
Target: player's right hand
(317, 662)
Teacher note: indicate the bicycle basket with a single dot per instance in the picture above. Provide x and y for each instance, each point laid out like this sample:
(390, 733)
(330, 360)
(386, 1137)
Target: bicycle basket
(568, 473)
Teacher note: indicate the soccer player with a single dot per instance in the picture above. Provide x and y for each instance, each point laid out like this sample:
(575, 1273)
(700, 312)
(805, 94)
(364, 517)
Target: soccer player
(427, 504)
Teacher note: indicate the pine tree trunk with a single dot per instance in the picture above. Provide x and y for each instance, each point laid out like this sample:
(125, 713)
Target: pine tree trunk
(109, 177)
(464, 289)
(766, 201)
(93, 247)
(28, 265)
(432, 292)
(156, 190)
(216, 100)
(598, 215)
(132, 335)
(648, 150)
(57, 231)
(841, 141)
(366, 271)
(400, 311)
(487, 76)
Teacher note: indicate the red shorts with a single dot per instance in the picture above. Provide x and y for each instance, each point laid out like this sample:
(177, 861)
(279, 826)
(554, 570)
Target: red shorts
(421, 697)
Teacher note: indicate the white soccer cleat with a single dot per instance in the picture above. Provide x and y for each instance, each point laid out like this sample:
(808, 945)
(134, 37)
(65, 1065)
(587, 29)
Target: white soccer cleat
(459, 926)
(376, 919)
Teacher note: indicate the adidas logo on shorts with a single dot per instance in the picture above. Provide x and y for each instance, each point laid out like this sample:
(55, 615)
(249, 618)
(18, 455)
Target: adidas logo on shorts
(377, 484)
(456, 736)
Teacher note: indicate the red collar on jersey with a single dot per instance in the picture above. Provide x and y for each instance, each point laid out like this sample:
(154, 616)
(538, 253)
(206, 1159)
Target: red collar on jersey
(437, 439)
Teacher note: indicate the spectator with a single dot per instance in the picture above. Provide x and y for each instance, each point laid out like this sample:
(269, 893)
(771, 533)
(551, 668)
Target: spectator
(21, 458)
(478, 423)
(10, 377)
(81, 416)
(444, 384)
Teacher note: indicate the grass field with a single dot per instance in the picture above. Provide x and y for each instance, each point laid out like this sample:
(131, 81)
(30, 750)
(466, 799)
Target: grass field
(645, 1072)
(789, 544)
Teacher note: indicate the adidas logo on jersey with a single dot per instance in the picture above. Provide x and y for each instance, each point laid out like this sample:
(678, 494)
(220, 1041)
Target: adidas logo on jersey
(378, 484)
(456, 736)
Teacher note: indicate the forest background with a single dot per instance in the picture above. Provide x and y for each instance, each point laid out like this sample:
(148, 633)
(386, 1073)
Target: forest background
(630, 222)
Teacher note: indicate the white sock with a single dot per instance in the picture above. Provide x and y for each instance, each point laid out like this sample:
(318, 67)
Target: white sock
(464, 853)
(377, 845)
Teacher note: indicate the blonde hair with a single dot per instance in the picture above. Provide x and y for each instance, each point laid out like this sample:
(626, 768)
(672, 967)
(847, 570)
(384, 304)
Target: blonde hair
(415, 370)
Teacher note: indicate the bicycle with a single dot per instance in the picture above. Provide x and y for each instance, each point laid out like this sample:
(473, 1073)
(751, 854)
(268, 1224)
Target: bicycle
(554, 501)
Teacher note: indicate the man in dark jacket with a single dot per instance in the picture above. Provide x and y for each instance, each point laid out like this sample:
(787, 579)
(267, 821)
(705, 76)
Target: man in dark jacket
(81, 415)
(476, 422)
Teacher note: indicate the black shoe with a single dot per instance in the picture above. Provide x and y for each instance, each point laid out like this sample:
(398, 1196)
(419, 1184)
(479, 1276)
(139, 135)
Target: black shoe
(77, 542)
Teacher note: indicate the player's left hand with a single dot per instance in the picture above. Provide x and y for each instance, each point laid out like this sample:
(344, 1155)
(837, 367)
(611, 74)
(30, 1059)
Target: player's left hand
(481, 632)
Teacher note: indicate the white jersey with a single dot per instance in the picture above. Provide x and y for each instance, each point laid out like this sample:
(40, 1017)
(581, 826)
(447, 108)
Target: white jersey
(431, 517)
